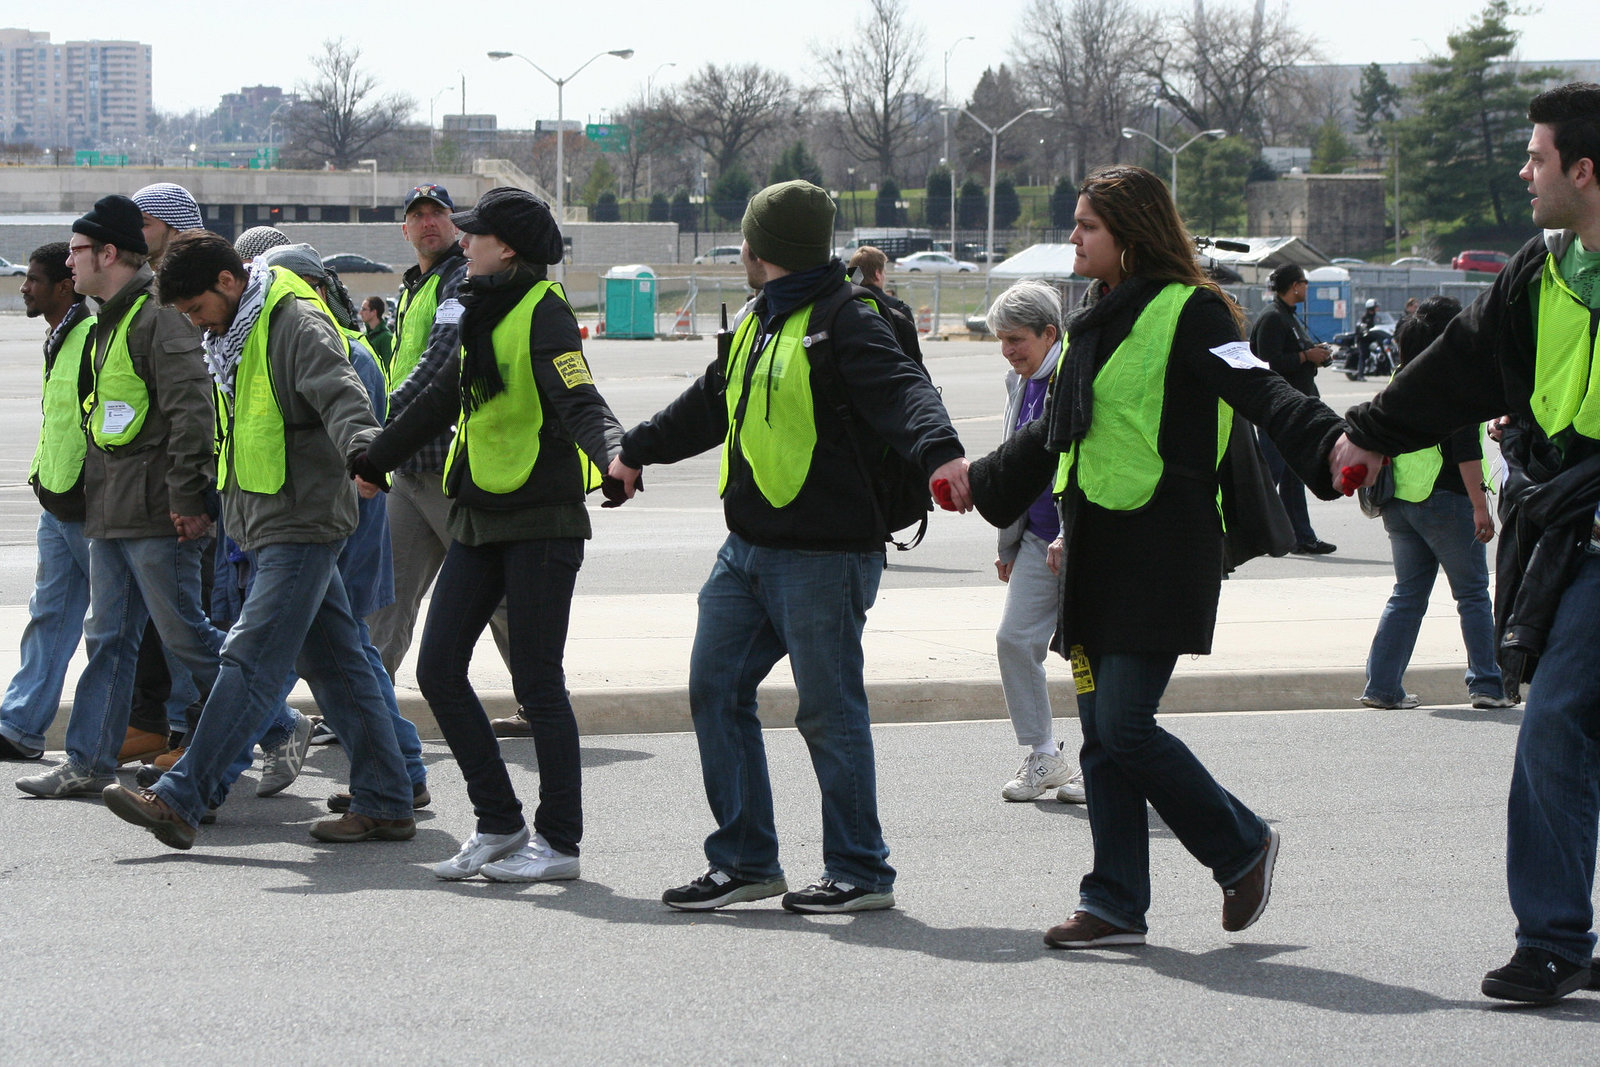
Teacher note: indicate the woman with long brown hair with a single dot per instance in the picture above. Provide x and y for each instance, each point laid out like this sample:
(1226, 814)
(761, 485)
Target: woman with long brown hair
(1140, 415)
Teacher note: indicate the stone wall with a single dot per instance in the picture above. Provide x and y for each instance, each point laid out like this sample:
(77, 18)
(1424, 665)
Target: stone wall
(1338, 214)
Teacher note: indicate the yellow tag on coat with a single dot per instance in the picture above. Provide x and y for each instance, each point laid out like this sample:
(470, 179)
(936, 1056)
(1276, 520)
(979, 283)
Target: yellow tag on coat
(573, 370)
(1082, 677)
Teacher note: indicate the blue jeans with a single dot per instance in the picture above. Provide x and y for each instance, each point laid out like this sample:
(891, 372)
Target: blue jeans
(1128, 759)
(55, 624)
(1291, 490)
(1554, 810)
(1437, 532)
(295, 616)
(131, 579)
(758, 605)
(534, 579)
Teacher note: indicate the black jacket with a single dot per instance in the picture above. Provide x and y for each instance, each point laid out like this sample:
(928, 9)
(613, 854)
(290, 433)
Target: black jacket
(1278, 337)
(888, 395)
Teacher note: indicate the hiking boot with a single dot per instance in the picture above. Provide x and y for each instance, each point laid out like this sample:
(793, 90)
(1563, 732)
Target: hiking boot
(1535, 976)
(827, 896)
(1084, 930)
(65, 779)
(716, 889)
(1039, 773)
(168, 760)
(282, 764)
(478, 850)
(1073, 792)
(351, 827)
(420, 798)
(146, 809)
(534, 862)
(1245, 900)
(139, 745)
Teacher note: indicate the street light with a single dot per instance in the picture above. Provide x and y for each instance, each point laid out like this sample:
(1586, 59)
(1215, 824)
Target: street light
(994, 154)
(561, 133)
(947, 161)
(1129, 133)
(649, 158)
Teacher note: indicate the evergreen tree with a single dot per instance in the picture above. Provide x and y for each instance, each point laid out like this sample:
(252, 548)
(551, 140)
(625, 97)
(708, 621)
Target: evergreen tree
(685, 214)
(731, 193)
(796, 162)
(606, 209)
(1376, 104)
(660, 210)
(1007, 206)
(1331, 149)
(1211, 177)
(972, 207)
(937, 205)
(1063, 204)
(886, 209)
(601, 180)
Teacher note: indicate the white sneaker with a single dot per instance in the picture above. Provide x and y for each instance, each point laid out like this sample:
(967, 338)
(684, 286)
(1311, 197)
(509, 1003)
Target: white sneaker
(1039, 772)
(478, 850)
(1072, 792)
(534, 862)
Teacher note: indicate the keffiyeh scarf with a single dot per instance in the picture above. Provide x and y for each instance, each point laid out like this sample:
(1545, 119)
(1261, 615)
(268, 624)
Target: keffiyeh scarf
(224, 352)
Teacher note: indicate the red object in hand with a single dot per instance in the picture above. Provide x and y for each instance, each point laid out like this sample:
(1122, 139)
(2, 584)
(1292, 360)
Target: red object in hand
(1350, 478)
(941, 493)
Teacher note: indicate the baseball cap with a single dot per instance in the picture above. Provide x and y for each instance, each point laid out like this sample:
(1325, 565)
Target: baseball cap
(437, 193)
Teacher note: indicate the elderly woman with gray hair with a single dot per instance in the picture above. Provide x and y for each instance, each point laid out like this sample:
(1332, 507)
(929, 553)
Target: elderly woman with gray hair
(1027, 320)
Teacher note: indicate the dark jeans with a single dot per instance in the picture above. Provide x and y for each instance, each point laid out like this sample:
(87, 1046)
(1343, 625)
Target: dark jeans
(535, 579)
(1128, 759)
(1291, 490)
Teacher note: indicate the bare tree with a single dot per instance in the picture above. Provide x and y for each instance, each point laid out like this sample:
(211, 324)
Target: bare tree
(1217, 65)
(724, 108)
(341, 114)
(878, 81)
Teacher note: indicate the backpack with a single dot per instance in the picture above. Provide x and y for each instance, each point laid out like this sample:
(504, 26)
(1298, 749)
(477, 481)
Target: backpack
(900, 496)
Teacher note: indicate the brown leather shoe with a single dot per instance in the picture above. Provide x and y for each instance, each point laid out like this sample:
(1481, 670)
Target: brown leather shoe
(167, 760)
(1084, 930)
(146, 809)
(512, 726)
(139, 745)
(352, 827)
(1245, 900)
(420, 798)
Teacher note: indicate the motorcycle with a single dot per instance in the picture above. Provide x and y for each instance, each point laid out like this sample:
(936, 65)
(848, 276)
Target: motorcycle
(1358, 360)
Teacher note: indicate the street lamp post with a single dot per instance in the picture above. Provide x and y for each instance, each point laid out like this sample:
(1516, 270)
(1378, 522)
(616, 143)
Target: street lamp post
(649, 157)
(855, 212)
(561, 133)
(1129, 133)
(947, 161)
(994, 155)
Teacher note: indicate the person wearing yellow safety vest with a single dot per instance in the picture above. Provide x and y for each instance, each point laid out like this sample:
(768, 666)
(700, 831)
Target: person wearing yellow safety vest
(804, 553)
(533, 433)
(427, 342)
(292, 408)
(1439, 517)
(1139, 417)
(61, 583)
(1527, 347)
(148, 489)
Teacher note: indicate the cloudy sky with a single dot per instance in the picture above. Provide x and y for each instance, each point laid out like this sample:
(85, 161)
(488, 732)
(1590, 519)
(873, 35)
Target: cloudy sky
(220, 47)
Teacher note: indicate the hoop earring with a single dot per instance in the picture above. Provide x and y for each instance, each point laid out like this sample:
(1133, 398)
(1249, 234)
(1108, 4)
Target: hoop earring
(1122, 261)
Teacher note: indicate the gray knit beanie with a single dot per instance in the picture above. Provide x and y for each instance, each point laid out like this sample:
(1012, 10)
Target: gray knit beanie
(791, 225)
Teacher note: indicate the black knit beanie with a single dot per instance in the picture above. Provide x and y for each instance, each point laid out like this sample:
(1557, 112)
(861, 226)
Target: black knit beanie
(790, 224)
(115, 220)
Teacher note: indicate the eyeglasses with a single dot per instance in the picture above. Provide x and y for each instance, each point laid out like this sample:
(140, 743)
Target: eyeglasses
(73, 250)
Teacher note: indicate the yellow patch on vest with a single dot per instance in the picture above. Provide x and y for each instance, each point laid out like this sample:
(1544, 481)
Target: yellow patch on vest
(573, 370)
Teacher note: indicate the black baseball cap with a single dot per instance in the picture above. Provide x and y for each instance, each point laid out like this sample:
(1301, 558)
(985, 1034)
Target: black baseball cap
(437, 193)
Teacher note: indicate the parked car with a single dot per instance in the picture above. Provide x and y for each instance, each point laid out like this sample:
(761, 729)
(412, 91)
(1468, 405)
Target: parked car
(1486, 262)
(720, 254)
(934, 261)
(1414, 261)
(9, 268)
(350, 263)
(1349, 261)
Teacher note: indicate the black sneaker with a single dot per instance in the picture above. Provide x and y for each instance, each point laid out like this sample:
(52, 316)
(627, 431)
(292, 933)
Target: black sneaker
(715, 889)
(1313, 548)
(1535, 976)
(322, 733)
(147, 775)
(10, 750)
(827, 896)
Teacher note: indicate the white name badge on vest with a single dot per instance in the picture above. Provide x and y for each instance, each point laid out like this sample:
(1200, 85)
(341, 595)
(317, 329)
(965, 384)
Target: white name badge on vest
(116, 416)
(1237, 354)
(448, 313)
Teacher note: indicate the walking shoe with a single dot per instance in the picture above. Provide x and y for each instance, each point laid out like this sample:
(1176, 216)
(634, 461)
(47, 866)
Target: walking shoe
(534, 862)
(1313, 548)
(1245, 900)
(351, 827)
(1484, 701)
(827, 895)
(1404, 703)
(168, 760)
(512, 726)
(139, 745)
(420, 798)
(65, 779)
(10, 750)
(146, 809)
(1039, 772)
(147, 775)
(478, 850)
(1084, 930)
(321, 732)
(716, 889)
(1073, 792)
(1535, 976)
(282, 764)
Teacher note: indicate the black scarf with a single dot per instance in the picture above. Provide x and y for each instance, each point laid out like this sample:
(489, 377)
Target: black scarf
(485, 300)
(1101, 315)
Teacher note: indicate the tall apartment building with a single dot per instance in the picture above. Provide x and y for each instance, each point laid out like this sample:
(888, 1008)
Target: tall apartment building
(75, 94)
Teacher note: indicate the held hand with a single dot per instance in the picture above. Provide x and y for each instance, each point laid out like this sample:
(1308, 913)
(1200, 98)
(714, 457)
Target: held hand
(1348, 456)
(1004, 570)
(628, 476)
(367, 489)
(1053, 554)
(1497, 427)
(955, 494)
(190, 527)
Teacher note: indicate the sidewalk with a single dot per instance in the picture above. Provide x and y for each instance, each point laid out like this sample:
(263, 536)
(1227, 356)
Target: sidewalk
(1282, 644)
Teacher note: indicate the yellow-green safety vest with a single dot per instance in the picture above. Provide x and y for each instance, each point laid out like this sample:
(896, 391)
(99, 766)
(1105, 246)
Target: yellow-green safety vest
(502, 435)
(413, 323)
(777, 434)
(58, 459)
(1415, 473)
(1566, 376)
(121, 400)
(1119, 462)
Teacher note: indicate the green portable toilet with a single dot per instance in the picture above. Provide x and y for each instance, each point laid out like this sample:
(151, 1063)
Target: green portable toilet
(631, 302)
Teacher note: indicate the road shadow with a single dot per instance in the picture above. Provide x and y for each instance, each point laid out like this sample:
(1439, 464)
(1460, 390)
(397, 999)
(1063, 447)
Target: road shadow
(1499, 716)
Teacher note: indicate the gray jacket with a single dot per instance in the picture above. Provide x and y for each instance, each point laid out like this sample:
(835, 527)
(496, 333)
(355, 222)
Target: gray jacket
(134, 490)
(326, 415)
(1010, 539)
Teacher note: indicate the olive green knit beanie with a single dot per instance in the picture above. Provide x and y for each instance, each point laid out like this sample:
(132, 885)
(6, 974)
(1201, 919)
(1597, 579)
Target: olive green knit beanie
(791, 225)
